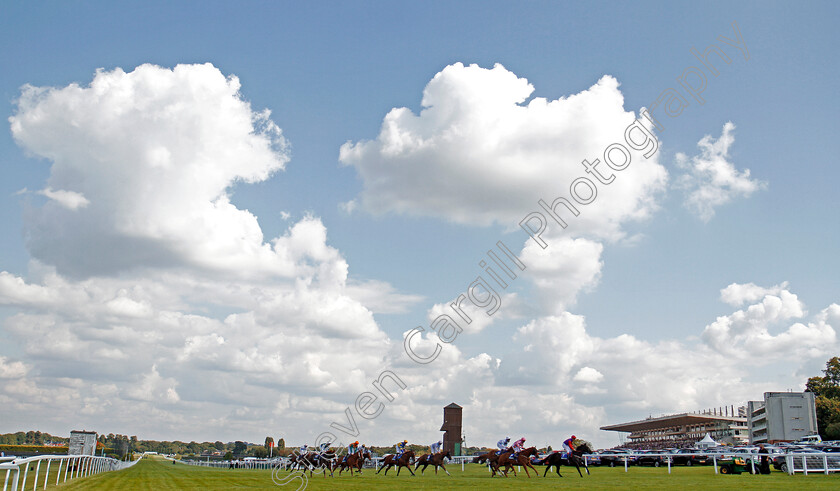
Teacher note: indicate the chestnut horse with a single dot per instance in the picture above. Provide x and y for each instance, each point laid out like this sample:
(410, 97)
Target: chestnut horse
(523, 459)
(435, 459)
(355, 461)
(404, 461)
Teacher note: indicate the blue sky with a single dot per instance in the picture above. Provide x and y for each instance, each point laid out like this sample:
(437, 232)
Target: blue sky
(330, 73)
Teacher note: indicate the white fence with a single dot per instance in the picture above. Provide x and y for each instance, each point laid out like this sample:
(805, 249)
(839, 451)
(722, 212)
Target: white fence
(811, 462)
(816, 462)
(236, 464)
(67, 467)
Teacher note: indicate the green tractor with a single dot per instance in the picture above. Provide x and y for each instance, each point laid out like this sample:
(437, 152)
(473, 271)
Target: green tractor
(734, 465)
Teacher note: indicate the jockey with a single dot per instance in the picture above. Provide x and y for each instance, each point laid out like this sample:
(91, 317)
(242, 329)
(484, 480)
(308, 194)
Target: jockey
(503, 445)
(517, 447)
(401, 448)
(351, 449)
(569, 444)
(304, 449)
(435, 448)
(325, 446)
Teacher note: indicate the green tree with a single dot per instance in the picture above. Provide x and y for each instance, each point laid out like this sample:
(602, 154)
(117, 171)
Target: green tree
(281, 443)
(229, 455)
(219, 445)
(269, 442)
(239, 448)
(827, 392)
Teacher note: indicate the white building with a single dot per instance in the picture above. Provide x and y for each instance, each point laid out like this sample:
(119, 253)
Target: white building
(782, 417)
(82, 443)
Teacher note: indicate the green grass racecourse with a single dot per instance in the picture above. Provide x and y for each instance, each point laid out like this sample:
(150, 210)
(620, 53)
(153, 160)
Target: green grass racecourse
(158, 474)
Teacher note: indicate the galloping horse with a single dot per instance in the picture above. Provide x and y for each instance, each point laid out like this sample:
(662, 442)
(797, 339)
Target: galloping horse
(523, 459)
(487, 457)
(435, 459)
(329, 461)
(355, 460)
(575, 459)
(404, 461)
(306, 461)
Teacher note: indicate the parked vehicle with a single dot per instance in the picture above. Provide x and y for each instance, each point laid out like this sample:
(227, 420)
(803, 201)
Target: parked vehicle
(615, 457)
(734, 465)
(650, 457)
(690, 456)
(592, 459)
(810, 440)
(780, 462)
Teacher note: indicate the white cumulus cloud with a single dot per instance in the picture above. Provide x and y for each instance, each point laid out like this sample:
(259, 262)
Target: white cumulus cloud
(143, 161)
(711, 179)
(481, 152)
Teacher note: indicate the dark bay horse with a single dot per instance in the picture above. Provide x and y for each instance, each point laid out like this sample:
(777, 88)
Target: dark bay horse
(404, 461)
(355, 461)
(306, 461)
(575, 459)
(523, 459)
(434, 459)
(329, 461)
(489, 457)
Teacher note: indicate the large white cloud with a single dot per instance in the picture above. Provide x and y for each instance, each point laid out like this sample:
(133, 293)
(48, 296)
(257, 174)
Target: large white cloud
(749, 333)
(141, 163)
(480, 152)
(150, 296)
(711, 180)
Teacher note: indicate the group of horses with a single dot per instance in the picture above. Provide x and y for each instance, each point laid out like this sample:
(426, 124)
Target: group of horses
(404, 460)
(329, 461)
(507, 460)
(499, 463)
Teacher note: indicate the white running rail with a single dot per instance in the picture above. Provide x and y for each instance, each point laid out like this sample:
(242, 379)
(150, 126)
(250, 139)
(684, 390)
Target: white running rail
(67, 467)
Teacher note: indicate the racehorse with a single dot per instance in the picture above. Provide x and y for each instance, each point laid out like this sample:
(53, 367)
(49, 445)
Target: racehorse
(489, 457)
(404, 461)
(435, 459)
(355, 460)
(523, 459)
(329, 461)
(306, 461)
(575, 459)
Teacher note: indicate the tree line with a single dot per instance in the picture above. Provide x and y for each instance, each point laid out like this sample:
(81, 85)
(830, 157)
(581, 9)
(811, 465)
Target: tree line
(826, 389)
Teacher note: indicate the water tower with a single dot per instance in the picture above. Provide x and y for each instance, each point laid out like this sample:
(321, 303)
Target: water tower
(452, 428)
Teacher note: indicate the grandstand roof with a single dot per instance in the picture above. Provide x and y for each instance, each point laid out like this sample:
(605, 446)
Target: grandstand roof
(671, 420)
